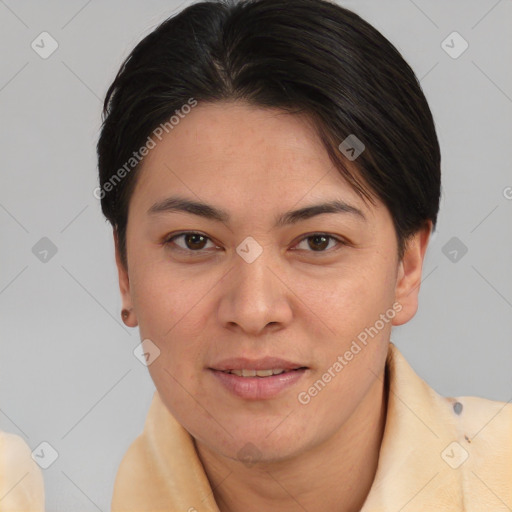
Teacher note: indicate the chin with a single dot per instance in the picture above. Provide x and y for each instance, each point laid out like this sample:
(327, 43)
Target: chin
(256, 447)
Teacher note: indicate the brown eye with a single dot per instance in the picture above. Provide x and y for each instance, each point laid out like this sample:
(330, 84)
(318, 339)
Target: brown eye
(192, 242)
(195, 241)
(318, 242)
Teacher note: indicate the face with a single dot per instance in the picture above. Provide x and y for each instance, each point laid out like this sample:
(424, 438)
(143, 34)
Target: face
(245, 285)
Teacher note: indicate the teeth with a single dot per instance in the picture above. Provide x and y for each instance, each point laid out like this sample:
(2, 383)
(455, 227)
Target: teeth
(257, 373)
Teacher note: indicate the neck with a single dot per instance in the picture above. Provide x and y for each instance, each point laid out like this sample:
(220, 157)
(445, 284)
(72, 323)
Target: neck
(335, 475)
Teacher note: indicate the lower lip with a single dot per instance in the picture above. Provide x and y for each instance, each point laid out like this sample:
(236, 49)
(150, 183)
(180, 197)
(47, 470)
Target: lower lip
(258, 388)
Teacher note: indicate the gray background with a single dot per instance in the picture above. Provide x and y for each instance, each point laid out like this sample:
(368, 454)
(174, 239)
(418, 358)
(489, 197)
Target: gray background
(68, 374)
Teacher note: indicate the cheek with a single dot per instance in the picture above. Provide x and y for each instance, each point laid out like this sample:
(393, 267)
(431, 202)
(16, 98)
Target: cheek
(351, 299)
(170, 312)
(164, 300)
(351, 306)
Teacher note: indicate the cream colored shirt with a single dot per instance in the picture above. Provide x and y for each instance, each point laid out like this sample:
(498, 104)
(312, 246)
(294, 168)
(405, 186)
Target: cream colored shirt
(437, 454)
(21, 479)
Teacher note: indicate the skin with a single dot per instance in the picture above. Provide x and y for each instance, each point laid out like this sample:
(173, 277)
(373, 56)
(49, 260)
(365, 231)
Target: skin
(299, 300)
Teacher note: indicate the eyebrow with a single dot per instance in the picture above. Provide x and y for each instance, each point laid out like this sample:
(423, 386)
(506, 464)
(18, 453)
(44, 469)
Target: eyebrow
(181, 204)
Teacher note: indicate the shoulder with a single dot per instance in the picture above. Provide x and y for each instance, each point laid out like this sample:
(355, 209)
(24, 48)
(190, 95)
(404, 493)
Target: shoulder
(481, 415)
(485, 428)
(137, 478)
(21, 479)
(481, 450)
(478, 448)
(463, 442)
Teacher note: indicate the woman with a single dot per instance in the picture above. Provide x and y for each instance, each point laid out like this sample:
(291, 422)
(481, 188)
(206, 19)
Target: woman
(271, 171)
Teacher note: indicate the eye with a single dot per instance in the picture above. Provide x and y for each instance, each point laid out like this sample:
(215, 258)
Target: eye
(319, 242)
(192, 241)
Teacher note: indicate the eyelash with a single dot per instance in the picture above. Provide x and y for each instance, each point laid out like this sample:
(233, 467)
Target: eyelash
(169, 241)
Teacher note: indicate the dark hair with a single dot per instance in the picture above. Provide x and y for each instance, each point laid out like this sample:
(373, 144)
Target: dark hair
(309, 56)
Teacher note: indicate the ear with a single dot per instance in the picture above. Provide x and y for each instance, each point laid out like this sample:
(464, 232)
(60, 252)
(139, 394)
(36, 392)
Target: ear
(409, 274)
(124, 285)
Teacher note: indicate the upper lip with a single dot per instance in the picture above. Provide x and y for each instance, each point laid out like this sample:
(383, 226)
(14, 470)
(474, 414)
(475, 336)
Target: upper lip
(265, 363)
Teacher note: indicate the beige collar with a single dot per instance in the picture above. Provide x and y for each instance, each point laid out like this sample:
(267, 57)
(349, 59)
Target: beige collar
(420, 467)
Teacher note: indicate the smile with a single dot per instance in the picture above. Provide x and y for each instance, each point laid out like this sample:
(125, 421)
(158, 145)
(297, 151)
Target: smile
(258, 373)
(258, 384)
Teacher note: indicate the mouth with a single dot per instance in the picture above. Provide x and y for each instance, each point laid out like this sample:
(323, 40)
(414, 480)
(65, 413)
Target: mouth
(246, 367)
(258, 379)
(261, 373)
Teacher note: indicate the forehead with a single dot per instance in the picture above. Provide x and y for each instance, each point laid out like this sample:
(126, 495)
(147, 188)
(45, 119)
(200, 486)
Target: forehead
(240, 152)
(227, 131)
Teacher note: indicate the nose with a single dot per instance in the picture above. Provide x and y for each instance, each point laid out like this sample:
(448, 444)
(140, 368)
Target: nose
(255, 296)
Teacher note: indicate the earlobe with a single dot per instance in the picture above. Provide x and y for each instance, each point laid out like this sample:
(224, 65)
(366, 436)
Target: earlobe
(128, 315)
(409, 274)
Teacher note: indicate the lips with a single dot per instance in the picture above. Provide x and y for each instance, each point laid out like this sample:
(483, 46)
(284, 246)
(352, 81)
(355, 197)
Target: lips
(258, 388)
(257, 379)
(256, 373)
(265, 364)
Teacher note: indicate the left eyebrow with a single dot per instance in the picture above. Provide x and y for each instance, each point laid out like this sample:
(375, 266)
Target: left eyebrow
(180, 204)
(308, 212)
